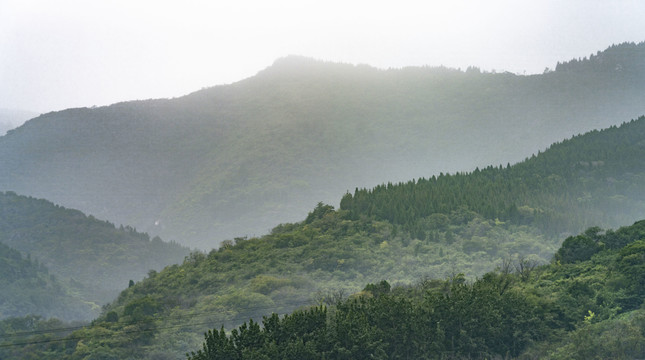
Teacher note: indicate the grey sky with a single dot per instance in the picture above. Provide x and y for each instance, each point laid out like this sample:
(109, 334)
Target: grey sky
(73, 53)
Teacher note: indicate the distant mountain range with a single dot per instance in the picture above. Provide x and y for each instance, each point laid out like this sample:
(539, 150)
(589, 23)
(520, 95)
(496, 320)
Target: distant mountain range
(238, 159)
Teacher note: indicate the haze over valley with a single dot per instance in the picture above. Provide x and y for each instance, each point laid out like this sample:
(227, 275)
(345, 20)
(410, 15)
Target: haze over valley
(308, 180)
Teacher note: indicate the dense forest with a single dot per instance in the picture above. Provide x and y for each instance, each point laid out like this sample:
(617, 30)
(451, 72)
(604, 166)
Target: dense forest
(585, 305)
(334, 253)
(236, 159)
(29, 288)
(597, 178)
(94, 258)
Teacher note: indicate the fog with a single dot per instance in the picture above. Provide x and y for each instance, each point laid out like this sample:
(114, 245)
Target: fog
(69, 53)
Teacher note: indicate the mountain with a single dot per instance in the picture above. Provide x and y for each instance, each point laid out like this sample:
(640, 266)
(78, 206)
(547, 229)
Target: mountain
(470, 231)
(236, 159)
(29, 288)
(96, 258)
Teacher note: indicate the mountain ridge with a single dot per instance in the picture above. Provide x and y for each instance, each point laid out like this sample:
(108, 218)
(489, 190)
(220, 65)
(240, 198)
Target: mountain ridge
(233, 160)
(95, 258)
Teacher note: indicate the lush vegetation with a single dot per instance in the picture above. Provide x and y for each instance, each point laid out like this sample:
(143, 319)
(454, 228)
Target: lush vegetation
(29, 288)
(23, 337)
(595, 178)
(237, 159)
(296, 265)
(331, 127)
(333, 253)
(93, 258)
(590, 307)
(584, 308)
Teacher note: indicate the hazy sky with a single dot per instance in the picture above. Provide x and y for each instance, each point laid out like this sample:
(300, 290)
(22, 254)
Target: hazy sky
(56, 54)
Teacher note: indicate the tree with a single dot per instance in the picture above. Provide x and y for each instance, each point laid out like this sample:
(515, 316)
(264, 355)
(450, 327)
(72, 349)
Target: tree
(577, 248)
(319, 211)
(379, 289)
(217, 346)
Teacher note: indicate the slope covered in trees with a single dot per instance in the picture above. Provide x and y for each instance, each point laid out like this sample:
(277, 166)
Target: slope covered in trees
(237, 159)
(584, 308)
(588, 308)
(96, 258)
(332, 253)
(595, 178)
(28, 288)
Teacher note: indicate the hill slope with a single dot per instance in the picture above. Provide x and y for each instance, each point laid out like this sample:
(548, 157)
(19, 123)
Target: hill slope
(333, 253)
(591, 179)
(590, 308)
(28, 288)
(10, 119)
(237, 159)
(98, 258)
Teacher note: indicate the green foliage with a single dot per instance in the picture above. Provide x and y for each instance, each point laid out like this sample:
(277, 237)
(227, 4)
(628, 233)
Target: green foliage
(141, 308)
(38, 338)
(560, 191)
(468, 320)
(319, 212)
(631, 264)
(519, 309)
(618, 338)
(265, 284)
(93, 258)
(28, 288)
(577, 248)
(379, 289)
(112, 316)
(295, 336)
(556, 311)
(279, 272)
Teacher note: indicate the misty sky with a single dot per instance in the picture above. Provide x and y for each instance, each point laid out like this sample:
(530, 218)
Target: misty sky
(74, 53)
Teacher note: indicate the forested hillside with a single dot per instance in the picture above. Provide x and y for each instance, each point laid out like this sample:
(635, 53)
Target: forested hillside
(594, 179)
(95, 257)
(237, 159)
(28, 288)
(334, 253)
(585, 307)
